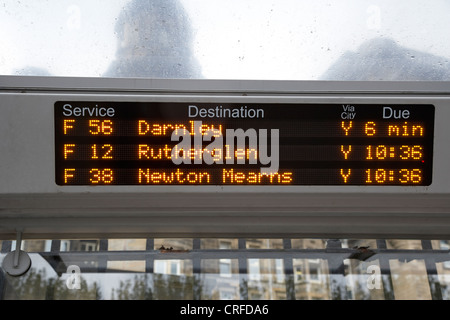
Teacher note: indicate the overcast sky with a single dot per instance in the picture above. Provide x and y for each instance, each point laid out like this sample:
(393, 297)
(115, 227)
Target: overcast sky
(237, 39)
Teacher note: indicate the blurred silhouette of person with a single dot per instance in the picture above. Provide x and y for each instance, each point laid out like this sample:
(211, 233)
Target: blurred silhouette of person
(154, 41)
(384, 59)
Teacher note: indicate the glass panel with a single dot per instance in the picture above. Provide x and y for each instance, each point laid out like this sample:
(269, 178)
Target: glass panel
(42, 282)
(410, 280)
(37, 245)
(130, 286)
(173, 267)
(440, 244)
(127, 244)
(364, 280)
(220, 279)
(228, 39)
(443, 271)
(264, 244)
(266, 279)
(262, 270)
(308, 243)
(360, 243)
(403, 244)
(78, 245)
(173, 244)
(213, 243)
(126, 266)
(311, 279)
(173, 279)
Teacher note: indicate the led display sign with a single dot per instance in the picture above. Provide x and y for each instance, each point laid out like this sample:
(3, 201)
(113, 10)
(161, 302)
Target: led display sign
(245, 144)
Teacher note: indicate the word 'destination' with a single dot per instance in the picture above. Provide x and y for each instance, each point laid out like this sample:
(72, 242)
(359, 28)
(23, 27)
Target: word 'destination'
(257, 143)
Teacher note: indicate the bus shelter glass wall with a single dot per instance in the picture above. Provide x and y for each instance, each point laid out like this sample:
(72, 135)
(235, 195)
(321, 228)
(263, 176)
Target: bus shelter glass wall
(237, 269)
(227, 39)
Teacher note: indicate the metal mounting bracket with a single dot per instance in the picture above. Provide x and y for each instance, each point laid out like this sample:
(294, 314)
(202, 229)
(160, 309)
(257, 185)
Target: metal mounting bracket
(17, 262)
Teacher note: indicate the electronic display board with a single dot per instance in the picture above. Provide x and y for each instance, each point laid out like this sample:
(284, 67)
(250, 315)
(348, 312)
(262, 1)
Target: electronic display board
(245, 144)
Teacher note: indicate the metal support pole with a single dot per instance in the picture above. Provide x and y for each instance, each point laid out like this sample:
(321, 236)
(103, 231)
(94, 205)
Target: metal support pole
(18, 245)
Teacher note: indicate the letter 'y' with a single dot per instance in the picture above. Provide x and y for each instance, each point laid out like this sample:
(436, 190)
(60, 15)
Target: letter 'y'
(264, 158)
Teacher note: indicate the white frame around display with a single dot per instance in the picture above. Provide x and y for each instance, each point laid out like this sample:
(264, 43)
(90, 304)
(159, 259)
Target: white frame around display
(31, 201)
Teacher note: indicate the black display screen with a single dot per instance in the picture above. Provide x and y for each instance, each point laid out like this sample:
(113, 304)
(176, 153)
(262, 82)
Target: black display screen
(165, 143)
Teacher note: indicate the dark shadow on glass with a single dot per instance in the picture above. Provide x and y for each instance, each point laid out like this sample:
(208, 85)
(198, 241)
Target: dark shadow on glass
(383, 59)
(154, 41)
